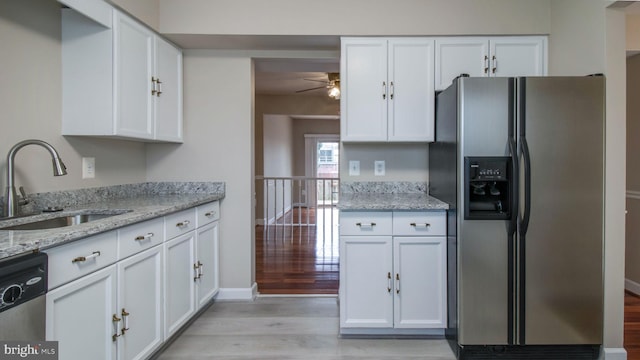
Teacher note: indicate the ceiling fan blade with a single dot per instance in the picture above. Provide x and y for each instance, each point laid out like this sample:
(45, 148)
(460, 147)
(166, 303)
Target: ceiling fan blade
(315, 88)
(322, 81)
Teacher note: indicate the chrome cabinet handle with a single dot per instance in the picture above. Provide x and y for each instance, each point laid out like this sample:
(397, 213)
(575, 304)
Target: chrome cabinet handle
(198, 268)
(425, 225)
(115, 319)
(392, 90)
(384, 90)
(125, 323)
(144, 237)
(210, 214)
(389, 282)
(159, 87)
(366, 225)
(94, 254)
(397, 283)
(495, 64)
(486, 64)
(183, 223)
(153, 83)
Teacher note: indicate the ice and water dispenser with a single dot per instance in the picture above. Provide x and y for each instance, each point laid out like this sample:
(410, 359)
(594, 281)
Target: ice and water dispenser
(487, 188)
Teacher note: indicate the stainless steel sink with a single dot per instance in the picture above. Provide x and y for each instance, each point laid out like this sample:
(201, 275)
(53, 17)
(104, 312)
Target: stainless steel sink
(62, 221)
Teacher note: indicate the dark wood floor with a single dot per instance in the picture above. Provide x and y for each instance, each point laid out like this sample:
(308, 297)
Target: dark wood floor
(632, 326)
(298, 259)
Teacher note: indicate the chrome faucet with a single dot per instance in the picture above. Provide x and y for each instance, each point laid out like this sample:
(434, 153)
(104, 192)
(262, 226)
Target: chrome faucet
(11, 200)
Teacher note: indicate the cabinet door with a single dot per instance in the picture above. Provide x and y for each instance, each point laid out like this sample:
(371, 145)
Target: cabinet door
(366, 299)
(455, 56)
(207, 285)
(363, 103)
(133, 52)
(80, 317)
(420, 282)
(518, 56)
(179, 281)
(411, 90)
(140, 296)
(168, 111)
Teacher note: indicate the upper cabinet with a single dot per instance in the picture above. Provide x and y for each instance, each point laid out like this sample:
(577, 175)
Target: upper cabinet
(388, 89)
(494, 56)
(122, 82)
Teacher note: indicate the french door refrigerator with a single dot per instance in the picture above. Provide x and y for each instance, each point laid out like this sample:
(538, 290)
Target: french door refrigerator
(521, 163)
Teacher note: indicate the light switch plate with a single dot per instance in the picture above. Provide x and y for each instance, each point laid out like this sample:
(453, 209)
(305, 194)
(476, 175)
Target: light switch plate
(88, 167)
(354, 168)
(378, 168)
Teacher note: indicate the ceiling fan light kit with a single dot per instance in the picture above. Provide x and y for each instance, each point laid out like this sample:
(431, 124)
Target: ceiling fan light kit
(332, 84)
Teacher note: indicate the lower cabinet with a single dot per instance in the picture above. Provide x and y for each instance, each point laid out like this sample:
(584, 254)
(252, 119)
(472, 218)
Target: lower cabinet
(180, 274)
(81, 317)
(388, 283)
(104, 307)
(191, 273)
(140, 301)
(86, 317)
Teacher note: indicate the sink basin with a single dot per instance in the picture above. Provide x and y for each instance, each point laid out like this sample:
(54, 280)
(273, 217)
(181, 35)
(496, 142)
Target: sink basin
(62, 221)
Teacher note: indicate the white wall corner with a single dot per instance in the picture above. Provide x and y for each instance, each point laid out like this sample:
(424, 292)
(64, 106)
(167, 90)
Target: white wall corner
(238, 293)
(613, 354)
(632, 286)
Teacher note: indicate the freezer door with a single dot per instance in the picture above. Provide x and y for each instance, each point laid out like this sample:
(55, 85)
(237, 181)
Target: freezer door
(562, 289)
(483, 245)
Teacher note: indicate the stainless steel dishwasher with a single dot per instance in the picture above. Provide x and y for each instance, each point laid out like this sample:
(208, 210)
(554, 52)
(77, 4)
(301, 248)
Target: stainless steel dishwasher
(23, 285)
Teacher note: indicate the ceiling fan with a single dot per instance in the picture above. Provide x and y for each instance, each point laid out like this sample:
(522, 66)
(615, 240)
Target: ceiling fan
(332, 83)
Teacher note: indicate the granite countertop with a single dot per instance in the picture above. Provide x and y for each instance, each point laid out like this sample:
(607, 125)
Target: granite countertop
(389, 201)
(145, 201)
(387, 195)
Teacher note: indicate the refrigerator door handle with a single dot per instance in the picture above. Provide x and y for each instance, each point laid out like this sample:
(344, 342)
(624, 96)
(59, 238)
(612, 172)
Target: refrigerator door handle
(515, 171)
(524, 225)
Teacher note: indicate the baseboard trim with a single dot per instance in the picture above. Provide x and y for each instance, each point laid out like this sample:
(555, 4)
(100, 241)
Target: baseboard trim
(632, 286)
(613, 354)
(238, 293)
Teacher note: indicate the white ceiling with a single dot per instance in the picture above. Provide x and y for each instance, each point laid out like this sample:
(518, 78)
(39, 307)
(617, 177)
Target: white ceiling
(288, 76)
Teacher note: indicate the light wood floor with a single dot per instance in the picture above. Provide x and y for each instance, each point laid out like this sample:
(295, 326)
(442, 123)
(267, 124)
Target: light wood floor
(292, 259)
(281, 328)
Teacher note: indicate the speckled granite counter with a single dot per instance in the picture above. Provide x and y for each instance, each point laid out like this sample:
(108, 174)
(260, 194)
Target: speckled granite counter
(367, 196)
(146, 201)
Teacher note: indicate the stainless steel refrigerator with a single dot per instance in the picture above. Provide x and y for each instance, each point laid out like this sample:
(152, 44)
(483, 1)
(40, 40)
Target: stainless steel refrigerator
(521, 163)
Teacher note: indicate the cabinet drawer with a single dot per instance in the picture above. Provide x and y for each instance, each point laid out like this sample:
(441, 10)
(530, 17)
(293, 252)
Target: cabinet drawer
(365, 223)
(138, 237)
(420, 223)
(179, 223)
(208, 213)
(71, 261)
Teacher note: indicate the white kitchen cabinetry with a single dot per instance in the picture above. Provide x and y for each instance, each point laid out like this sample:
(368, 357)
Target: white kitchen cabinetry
(388, 89)
(494, 56)
(191, 275)
(81, 316)
(119, 295)
(122, 81)
(392, 272)
(140, 304)
(179, 282)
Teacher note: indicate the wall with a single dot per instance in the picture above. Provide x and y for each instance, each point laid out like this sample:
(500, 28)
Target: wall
(278, 162)
(218, 145)
(383, 17)
(632, 270)
(31, 106)
(147, 11)
(403, 162)
(633, 32)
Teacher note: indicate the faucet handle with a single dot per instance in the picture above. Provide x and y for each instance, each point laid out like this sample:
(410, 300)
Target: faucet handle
(24, 199)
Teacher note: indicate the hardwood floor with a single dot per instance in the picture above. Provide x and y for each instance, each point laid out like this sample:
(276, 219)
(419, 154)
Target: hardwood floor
(299, 259)
(632, 326)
